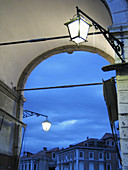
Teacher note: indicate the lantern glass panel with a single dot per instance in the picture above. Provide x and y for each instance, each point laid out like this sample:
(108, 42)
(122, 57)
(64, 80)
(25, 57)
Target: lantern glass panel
(78, 30)
(84, 28)
(74, 28)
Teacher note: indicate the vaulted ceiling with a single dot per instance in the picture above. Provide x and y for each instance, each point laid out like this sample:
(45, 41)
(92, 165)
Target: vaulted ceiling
(22, 20)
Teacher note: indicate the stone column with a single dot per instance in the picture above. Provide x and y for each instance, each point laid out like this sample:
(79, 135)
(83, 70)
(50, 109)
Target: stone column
(122, 93)
(121, 32)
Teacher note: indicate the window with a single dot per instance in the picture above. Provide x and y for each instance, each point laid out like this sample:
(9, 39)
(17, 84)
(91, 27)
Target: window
(75, 154)
(81, 165)
(85, 144)
(91, 155)
(101, 156)
(91, 144)
(29, 166)
(75, 166)
(101, 166)
(107, 143)
(113, 143)
(70, 166)
(67, 157)
(108, 156)
(108, 167)
(62, 158)
(22, 167)
(81, 154)
(61, 167)
(91, 166)
(53, 155)
(66, 167)
(70, 156)
(59, 158)
(35, 166)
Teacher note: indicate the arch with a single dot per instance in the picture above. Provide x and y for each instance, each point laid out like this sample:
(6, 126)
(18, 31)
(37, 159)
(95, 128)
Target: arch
(81, 165)
(108, 167)
(91, 166)
(101, 166)
(69, 49)
(35, 22)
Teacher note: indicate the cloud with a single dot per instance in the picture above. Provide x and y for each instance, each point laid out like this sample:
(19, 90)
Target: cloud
(66, 123)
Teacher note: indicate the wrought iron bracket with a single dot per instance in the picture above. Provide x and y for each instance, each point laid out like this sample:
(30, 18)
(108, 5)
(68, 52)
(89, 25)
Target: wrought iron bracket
(28, 113)
(115, 43)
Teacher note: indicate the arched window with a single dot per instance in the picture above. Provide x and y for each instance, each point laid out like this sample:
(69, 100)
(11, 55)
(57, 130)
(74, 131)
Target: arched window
(91, 166)
(108, 167)
(74, 165)
(81, 166)
(61, 167)
(101, 166)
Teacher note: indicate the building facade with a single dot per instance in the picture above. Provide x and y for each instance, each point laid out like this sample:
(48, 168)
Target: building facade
(91, 154)
(43, 160)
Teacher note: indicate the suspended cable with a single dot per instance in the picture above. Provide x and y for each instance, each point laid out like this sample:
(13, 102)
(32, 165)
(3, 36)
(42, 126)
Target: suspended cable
(55, 87)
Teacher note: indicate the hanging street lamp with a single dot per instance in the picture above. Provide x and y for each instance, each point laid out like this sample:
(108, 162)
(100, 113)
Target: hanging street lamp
(78, 29)
(45, 125)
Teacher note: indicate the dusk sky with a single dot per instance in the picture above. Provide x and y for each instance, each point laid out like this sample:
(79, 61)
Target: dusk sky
(75, 113)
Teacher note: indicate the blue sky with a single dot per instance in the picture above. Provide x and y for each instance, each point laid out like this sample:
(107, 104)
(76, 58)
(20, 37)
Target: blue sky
(75, 113)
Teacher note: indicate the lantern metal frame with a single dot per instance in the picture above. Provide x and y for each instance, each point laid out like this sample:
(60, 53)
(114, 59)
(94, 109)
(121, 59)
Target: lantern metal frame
(28, 113)
(80, 20)
(116, 44)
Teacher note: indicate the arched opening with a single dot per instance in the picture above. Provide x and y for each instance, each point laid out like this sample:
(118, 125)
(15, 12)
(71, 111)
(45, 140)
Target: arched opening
(91, 166)
(64, 49)
(68, 109)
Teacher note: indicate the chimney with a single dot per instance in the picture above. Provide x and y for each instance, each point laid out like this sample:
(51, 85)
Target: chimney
(45, 148)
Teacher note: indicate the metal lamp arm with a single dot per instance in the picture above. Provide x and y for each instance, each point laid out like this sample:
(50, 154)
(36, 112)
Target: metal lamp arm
(113, 41)
(28, 113)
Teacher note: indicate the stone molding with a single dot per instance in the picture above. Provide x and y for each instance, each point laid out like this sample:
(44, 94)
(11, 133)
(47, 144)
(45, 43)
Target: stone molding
(8, 91)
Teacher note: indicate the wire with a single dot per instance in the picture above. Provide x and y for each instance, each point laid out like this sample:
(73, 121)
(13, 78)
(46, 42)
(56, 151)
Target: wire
(56, 87)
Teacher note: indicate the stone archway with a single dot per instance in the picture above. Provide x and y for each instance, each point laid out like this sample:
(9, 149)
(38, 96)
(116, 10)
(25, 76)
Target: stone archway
(69, 49)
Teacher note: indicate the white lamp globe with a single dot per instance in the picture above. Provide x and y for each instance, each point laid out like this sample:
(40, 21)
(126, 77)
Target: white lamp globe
(46, 125)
